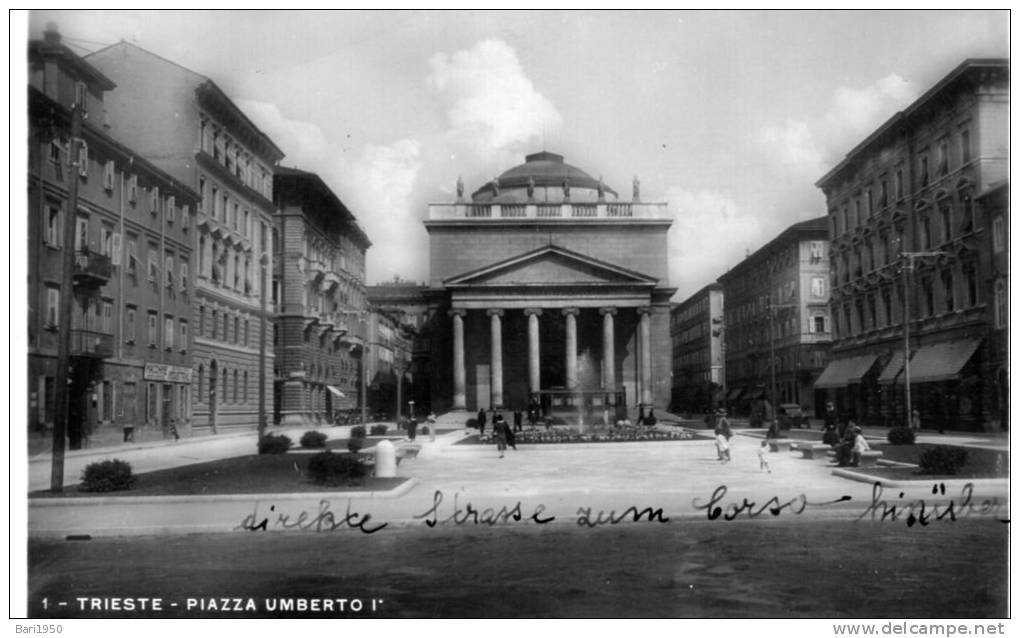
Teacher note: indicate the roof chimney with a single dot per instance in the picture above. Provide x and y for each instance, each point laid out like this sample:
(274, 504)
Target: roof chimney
(51, 35)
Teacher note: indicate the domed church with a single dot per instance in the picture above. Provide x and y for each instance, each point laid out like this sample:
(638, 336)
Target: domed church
(549, 290)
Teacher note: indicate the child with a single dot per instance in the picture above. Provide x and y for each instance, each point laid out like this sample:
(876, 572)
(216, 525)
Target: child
(762, 461)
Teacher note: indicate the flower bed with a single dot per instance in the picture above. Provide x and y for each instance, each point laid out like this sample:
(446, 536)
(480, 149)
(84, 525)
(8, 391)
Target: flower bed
(599, 435)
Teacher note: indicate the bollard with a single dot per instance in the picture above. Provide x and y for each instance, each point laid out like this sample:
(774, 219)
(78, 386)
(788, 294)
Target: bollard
(385, 460)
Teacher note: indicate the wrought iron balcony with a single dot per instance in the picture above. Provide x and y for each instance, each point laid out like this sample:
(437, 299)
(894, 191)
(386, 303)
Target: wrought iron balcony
(89, 343)
(91, 269)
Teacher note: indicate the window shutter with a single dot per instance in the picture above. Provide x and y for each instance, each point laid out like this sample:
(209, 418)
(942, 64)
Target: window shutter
(116, 249)
(83, 159)
(171, 203)
(154, 200)
(133, 189)
(108, 171)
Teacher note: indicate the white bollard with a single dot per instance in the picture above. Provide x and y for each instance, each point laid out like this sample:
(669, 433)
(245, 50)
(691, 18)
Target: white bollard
(385, 460)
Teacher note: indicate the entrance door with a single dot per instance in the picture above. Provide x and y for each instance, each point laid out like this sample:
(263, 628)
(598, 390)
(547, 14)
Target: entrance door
(166, 409)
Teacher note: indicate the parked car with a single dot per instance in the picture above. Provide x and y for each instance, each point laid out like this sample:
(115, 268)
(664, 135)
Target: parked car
(792, 415)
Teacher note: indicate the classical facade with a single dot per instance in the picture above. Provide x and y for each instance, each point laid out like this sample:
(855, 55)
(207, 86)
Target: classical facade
(910, 254)
(545, 286)
(778, 329)
(318, 299)
(696, 327)
(993, 204)
(133, 284)
(184, 123)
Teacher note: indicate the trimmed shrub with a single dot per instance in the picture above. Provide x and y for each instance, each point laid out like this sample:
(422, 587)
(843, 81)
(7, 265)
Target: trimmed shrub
(274, 444)
(110, 475)
(354, 444)
(901, 435)
(942, 459)
(378, 429)
(326, 468)
(358, 432)
(313, 439)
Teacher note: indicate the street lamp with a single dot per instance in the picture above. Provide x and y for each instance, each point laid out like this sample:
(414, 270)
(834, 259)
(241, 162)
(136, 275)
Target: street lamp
(908, 268)
(772, 351)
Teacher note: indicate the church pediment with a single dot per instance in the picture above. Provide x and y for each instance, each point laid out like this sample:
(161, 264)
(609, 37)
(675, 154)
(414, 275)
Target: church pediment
(550, 266)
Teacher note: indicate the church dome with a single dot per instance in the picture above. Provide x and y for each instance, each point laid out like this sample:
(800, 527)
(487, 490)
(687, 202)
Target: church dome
(543, 177)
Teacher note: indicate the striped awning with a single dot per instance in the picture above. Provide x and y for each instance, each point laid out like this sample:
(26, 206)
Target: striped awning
(335, 391)
(843, 372)
(941, 361)
(892, 369)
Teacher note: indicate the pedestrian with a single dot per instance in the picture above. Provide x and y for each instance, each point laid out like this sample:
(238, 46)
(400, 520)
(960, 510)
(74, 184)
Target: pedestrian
(412, 428)
(650, 419)
(431, 421)
(518, 421)
(860, 445)
(501, 431)
(763, 462)
(511, 437)
(481, 421)
(723, 433)
(915, 420)
(844, 451)
(640, 416)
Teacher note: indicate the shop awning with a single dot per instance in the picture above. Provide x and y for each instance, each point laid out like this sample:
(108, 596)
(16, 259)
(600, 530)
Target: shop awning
(734, 393)
(842, 372)
(892, 369)
(941, 361)
(755, 393)
(335, 391)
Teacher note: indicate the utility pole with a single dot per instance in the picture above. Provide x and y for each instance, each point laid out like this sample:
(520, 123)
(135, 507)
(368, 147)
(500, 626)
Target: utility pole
(61, 399)
(908, 268)
(262, 345)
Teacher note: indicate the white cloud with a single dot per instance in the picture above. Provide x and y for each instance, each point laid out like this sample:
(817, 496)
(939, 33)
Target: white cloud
(709, 235)
(809, 148)
(303, 142)
(493, 106)
(382, 182)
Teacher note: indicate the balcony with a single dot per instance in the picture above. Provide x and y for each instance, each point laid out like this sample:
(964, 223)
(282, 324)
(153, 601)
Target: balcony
(91, 269)
(89, 343)
(600, 210)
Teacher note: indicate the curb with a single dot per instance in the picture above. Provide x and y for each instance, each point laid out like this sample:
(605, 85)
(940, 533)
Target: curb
(861, 477)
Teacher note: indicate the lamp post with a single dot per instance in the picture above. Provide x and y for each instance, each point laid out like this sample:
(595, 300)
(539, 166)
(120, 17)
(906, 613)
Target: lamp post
(772, 351)
(908, 267)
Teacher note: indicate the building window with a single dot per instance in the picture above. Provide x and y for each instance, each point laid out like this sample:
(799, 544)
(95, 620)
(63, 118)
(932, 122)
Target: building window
(819, 323)
(52, 234)
(52, 307)
(106, 319)
(965, 146)
(899, 184)
(213, 208)
(886, 307)
(153, 262)
(927, 296)
(150, 401)
(968, 223)
(108, 407)
(970, 276)
(943, 157)
(215, 323)
(169, 271)
(237, 329)
(108, 169)
(168, 333)
(244, 388)
(872, 312)
(81, 234)
(857, 212)
(201, 382)
(129, 324)
(947, 291)
(184, 335)
(883, 192)
(924, 234)
(1001, 305)
(817, 251)
(998, 234)
(869, 203)
(132, 255)
(946, 216)
(154, 200)
(922, 171)
(818, 287)
(153, 329)
(235, 386)
(184, 276)
(859, 316)
(133, 189)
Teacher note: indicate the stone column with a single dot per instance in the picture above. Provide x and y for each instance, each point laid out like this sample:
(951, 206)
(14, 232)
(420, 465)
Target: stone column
(571, 347)
(608, 351)
(534, 367)
(496, 370)
(646, 355)
(459, 374)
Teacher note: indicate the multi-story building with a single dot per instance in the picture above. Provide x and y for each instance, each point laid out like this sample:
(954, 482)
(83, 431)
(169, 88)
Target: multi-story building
(388, 366)
(909, 243)
(133, 284)
(777, 324)
(994, 206)
(696, 328)
(546, 287)
(407, 308)
(319, 300)
(184, 123)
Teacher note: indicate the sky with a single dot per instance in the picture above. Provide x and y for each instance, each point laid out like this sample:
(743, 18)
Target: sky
(728, 116)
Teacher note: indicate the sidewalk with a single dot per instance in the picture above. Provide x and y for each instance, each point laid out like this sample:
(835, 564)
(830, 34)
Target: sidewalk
(560, 480)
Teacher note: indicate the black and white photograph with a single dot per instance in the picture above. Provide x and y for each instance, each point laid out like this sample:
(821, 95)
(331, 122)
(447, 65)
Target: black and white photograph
(698, 316)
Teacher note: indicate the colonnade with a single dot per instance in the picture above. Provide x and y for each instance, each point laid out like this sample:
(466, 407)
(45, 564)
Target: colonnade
(570, 315)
